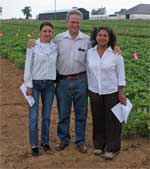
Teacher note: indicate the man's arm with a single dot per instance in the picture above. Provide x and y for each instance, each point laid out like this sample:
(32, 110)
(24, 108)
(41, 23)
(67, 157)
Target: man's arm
(117, 50)
(31, 43)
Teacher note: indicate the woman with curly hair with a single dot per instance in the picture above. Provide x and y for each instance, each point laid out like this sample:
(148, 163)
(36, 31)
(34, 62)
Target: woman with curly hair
(106, 79)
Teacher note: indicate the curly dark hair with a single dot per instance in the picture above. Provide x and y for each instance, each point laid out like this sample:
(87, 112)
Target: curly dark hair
(112, 36)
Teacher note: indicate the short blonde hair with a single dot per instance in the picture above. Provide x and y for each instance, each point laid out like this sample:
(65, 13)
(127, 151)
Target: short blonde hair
(72, 12)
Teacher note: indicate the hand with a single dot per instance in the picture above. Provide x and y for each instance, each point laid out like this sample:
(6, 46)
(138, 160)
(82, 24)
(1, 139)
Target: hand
(31, 43)
(122, 99)
(117, 50)
(29, 91)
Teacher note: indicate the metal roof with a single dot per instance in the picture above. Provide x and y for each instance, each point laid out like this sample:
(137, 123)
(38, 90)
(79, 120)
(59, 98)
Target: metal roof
(63, 10)
(139, 9)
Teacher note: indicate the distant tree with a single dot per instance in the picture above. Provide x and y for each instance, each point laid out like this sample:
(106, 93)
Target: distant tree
(27, 12)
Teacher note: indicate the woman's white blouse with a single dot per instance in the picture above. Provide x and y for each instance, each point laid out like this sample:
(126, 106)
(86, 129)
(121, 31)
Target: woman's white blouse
(40, 62)
(104, 73)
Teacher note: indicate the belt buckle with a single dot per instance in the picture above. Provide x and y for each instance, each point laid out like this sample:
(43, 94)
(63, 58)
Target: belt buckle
(73, 78)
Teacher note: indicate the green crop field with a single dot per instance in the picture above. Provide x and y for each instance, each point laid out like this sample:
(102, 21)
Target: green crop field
(133, 37)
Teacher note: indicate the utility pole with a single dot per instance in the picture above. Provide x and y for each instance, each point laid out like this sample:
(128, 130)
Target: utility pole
(55, 8)
(1, 10)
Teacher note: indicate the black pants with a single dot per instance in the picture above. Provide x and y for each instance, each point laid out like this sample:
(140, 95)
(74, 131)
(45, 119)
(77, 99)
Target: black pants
(106, 127)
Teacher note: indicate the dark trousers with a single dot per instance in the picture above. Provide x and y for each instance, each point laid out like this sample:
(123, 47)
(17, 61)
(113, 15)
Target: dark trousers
(106, 127)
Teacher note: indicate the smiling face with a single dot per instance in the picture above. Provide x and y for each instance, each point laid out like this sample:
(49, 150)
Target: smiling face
(102, 38)
(73, 24)
(46, 34)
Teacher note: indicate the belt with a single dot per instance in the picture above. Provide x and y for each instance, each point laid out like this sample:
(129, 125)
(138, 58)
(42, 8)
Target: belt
(72, 76)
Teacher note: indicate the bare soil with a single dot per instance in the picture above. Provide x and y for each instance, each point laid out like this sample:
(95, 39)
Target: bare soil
(15, 151)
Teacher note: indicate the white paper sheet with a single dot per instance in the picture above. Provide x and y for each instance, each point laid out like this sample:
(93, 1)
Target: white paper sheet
(122, 111)
(29, 99)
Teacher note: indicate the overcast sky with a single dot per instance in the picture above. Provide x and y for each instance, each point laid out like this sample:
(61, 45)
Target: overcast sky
(12, 8)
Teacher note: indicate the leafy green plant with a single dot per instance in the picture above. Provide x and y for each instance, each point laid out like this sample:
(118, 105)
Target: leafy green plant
(138, 124)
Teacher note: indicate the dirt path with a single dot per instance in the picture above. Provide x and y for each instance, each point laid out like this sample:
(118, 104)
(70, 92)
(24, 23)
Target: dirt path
(14, 147)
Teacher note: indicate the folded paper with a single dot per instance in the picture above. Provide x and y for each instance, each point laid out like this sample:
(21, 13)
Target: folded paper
(29, 99)
(122, 111)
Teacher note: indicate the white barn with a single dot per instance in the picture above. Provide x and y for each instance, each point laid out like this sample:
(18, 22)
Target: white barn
(141, 11)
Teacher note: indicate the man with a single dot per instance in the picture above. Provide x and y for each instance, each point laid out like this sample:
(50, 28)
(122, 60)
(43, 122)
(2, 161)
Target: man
(72, 83)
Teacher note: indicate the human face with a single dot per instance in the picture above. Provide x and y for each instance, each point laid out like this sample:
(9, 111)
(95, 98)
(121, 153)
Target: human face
(46, 34)
(102, 38)
(73, 24)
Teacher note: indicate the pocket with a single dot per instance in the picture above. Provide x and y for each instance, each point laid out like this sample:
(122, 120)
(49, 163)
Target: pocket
(81, 56)
(37, 84)
(49, 82)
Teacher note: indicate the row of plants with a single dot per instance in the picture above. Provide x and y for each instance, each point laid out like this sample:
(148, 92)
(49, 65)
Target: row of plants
(133, 38)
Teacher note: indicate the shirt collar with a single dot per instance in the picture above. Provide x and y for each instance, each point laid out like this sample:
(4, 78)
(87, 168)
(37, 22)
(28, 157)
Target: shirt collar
(51, 44)
(39, 42)
(67, 35)
(109, 49)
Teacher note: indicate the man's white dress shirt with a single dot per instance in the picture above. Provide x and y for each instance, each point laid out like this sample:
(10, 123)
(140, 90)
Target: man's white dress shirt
(72, 52)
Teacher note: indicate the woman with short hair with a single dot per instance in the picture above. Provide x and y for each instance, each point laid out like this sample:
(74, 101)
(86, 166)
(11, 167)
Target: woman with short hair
(39, 76)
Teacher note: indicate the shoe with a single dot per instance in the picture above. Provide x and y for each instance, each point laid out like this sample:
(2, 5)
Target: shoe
(110, 155)
(98, 152)
(61, 146)
(35, 151)
(46, 147)
(82, 148)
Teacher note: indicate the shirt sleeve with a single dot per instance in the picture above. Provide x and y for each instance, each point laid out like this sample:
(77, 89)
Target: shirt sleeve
(28, 68)
(55, 40)
(121, 71)
(87, 70)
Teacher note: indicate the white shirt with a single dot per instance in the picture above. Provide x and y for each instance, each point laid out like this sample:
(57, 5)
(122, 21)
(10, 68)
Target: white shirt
(104, 73)
(72, 53)
(40, 62)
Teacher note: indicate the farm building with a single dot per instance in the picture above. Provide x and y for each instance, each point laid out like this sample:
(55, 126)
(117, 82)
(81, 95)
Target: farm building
(141, 11)
(61, 14)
